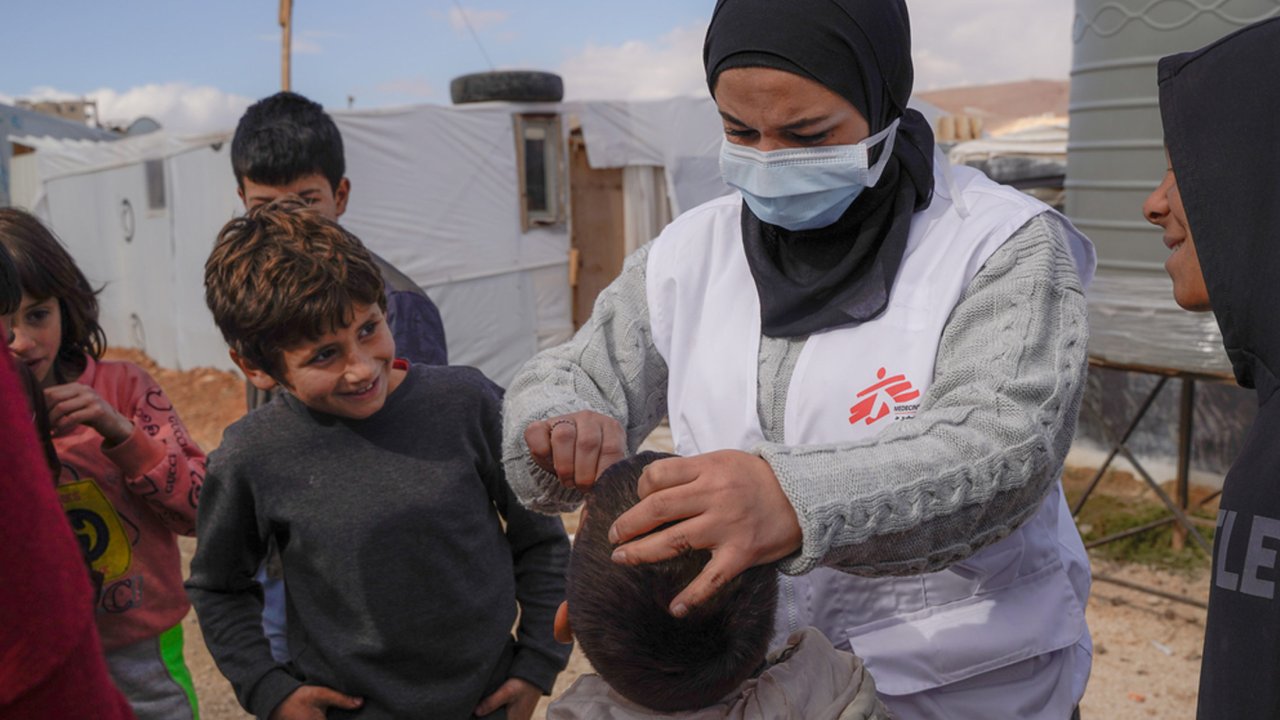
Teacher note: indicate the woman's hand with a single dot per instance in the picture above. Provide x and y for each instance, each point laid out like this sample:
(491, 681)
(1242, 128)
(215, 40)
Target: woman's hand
(728, 502)
(75, 404)
(576, 448)
(519, 696)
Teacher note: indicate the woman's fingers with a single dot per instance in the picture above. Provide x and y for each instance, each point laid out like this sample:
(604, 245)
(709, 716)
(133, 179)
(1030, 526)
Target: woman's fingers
(613, 446)
(537, 437)
(588, 439)
(657, 507)
(728, 502)
(725, 565)
(577, 447)
(564, 438)
(693, 533)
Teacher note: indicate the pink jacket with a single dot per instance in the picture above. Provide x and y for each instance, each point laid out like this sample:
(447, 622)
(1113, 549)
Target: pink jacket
(127, 502)
(807, 680)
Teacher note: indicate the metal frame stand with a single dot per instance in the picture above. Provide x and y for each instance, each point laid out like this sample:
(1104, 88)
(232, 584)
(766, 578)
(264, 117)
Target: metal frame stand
(1186, 525)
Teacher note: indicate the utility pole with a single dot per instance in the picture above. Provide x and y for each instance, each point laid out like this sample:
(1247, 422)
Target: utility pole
(286, 40)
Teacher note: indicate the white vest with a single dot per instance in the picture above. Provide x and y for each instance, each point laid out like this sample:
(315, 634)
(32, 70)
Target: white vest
(1016, 599)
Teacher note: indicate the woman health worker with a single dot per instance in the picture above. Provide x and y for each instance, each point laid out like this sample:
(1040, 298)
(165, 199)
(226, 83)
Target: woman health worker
(872, 364)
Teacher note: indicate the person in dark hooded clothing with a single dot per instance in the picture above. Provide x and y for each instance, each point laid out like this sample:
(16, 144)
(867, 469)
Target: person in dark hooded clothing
(872, 363)
(1219, 205)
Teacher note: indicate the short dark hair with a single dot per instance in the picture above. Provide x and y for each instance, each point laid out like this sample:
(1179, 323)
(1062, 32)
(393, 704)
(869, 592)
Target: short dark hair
(283, 274)
(619, 613)
(10, 289)
(46, 270)
(285, 137)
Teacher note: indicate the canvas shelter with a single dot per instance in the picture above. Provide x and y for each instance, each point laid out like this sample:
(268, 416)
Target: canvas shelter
(21, 122)
(471, 202)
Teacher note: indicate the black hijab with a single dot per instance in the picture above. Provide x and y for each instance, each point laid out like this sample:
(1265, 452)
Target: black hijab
(1221, 112)
(815, 280)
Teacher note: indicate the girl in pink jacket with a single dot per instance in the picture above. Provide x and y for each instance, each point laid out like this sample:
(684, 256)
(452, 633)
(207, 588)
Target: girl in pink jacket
(130, 476)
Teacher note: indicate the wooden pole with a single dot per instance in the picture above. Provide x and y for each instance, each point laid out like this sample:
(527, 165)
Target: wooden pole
(286, 40)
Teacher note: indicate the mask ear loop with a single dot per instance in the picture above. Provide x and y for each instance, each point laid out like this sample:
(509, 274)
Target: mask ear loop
(888, 135)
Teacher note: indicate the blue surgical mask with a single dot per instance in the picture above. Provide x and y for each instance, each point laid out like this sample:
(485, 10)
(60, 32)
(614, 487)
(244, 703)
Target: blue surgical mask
(804, 188)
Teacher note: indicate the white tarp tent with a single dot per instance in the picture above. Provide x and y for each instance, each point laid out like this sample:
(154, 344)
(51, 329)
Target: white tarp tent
(435, 192)
(682, 135)
(20, 122)
(139, 215)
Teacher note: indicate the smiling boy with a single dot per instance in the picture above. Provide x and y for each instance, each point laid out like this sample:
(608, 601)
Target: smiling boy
(381, 484)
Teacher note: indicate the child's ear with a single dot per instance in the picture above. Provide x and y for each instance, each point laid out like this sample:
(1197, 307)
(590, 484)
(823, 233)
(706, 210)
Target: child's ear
(255, 375)
(563, 633)
(341, 196)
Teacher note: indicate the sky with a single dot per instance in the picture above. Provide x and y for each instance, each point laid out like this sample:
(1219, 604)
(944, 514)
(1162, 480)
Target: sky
(195, 66)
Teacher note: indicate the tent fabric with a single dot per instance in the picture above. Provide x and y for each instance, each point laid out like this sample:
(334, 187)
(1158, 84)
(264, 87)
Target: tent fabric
(681, 134)
(20, 122)
(434, 191)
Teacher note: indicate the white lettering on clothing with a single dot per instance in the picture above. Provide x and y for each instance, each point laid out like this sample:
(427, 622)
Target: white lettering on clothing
(1225, 579)
(1260, 556)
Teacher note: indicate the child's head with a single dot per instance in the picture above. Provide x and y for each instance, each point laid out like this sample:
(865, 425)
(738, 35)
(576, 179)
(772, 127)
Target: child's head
(301, 304)
(619, 614)
(286, 144)
(56, 325)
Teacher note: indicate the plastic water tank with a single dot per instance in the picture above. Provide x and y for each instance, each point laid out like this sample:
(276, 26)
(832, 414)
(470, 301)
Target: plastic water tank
(1115, 155)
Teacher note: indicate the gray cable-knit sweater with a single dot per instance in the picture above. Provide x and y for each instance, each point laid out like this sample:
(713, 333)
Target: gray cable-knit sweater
(986, 445)
(403, 578)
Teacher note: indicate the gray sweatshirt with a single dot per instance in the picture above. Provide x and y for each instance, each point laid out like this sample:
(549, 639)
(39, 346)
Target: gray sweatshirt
(986, 445)
(402, 584)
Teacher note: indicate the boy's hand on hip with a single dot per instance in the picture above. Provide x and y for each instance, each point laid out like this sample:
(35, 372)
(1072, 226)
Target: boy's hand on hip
(728, 502)
(576, 448)
(75, 404)
(520, 697)
(311, 702)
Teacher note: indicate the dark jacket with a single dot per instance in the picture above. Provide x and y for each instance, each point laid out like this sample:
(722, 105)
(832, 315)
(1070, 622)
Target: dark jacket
(406, 556)
(1221, 112)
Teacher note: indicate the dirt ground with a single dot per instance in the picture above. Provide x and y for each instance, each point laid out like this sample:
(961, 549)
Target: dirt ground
(1146, 649)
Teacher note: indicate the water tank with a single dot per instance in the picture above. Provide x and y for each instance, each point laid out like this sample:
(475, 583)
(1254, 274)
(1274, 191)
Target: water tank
(1115, 156)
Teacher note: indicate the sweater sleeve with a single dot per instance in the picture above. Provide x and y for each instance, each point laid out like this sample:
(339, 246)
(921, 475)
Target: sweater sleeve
(539, 557)
(227, 599)
(988, 442)
(160, 461)
(610, 366)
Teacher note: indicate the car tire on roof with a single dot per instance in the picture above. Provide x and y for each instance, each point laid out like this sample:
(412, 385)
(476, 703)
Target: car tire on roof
(529, 86)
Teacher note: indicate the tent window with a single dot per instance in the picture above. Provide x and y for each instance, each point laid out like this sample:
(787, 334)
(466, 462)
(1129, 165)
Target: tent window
(155, 184)
(539, 154)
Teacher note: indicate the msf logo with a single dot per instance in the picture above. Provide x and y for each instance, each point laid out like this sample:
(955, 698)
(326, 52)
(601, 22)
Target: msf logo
(889, 395)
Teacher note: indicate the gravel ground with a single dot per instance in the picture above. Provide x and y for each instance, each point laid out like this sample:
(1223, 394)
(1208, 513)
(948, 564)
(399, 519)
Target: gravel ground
(1146, 654)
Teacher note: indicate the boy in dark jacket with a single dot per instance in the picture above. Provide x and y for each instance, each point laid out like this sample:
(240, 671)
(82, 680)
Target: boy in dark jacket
(382, 486)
